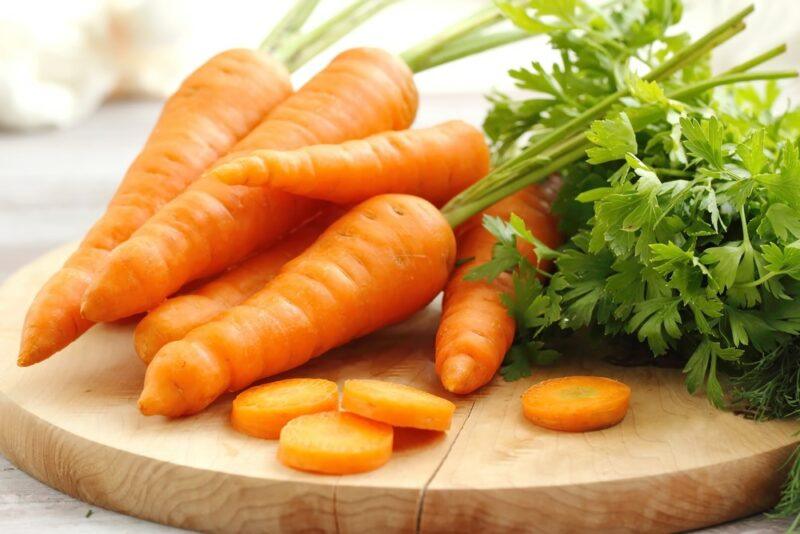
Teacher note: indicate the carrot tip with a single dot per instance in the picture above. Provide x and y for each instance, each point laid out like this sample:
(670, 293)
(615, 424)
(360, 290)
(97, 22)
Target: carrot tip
(149, 404)
(228, 173)
(161, 397)
(32, 353)
(461, 374)
(88, 309)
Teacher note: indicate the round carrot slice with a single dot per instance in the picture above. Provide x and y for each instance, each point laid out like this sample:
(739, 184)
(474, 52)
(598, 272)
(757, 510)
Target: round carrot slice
(335, 443)
(262, 411)
(397, 404)
(576, 403)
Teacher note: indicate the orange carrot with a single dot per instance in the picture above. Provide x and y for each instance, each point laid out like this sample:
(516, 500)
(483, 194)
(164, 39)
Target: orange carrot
(176, 316)
(397, 404)
(476, 330)
(214, 225)
(377, 265)
(335, 443)
(214, 107)
(576, 403)
(262, 411)
(434, 163)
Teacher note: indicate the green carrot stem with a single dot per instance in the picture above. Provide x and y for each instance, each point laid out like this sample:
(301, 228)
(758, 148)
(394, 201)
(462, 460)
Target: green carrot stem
(483, 194)
(457, 215)
(289, 25)
(417, 56)
(298, 51)
(764, 279)
(701, 47)
(524, 164)
(758, 60)
(469, 46)
(705, 85)
(689, 54)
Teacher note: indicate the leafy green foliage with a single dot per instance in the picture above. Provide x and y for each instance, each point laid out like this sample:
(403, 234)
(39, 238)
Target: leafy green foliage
(683, 218)
(614, 139)
(597, 47)
(697, 258)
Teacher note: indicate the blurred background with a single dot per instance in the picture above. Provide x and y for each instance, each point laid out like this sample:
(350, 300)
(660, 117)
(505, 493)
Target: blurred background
(81, 83)
(60, 60)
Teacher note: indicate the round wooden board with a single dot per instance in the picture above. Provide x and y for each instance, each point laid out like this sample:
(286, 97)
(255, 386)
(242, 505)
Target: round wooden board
(674, 463)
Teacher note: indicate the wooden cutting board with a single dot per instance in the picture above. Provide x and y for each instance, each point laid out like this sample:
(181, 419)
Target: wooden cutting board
(674, 463)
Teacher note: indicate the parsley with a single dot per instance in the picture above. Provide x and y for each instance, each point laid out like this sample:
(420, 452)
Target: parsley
(681, 199)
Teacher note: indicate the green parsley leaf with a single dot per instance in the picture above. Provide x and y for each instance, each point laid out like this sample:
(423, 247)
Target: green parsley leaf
(704, 140)
(614, 138)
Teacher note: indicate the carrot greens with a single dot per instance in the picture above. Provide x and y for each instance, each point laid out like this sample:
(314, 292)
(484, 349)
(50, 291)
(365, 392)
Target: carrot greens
(681, 200)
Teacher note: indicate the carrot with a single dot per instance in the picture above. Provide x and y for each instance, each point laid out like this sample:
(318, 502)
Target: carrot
(262, 411)
(215, 107)
(214, 225)
(434, 163)
(576, 403)
(476, 330)
(335, 443)
(177, 316)
(377, 265)
(397, 404)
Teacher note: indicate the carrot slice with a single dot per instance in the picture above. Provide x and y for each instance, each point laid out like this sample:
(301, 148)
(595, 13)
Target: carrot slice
(397, 404)
(576, 403)
(262, 411)
(335, 443)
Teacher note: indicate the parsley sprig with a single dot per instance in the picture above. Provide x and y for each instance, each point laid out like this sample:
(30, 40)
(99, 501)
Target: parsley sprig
(681, 198)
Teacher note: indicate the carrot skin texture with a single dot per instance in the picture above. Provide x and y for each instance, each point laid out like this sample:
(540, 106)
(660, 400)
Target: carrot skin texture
(214, 225)
(216, 106)
(476, 330)
(576, 403)
(377, 265)
(434, 163)
(335, 443)
(262, 411)
(177, 316)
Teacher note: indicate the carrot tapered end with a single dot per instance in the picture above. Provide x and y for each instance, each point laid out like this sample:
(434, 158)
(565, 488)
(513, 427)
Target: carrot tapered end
(29, 353)
(244, 170)
(26, 359)
(161, 399)
(461, 374)
(37, 346)
(183, 378)
(53, 320)
(122, 286)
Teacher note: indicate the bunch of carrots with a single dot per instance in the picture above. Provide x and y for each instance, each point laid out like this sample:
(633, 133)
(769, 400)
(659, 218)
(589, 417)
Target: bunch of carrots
(317, 212)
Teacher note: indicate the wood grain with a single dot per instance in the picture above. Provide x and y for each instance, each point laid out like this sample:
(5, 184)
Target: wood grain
(674, 463)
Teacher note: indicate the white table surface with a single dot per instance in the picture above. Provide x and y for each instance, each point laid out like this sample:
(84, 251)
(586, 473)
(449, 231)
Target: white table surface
(54, 185)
